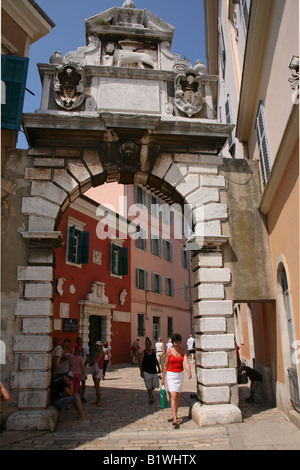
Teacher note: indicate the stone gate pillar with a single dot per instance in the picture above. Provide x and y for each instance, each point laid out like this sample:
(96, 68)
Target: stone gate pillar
(34, 311)
(215, 349)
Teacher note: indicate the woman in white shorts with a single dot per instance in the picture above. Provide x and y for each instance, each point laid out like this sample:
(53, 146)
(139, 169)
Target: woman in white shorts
(97, 372)
(173, 370)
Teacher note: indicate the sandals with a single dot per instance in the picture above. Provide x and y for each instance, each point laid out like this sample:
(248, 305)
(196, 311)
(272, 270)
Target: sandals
(177, 423)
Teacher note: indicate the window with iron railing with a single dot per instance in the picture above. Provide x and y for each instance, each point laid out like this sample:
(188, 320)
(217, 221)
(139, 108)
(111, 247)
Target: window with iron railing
(294, 388)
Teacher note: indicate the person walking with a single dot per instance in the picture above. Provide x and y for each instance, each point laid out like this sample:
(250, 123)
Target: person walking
(191, 348)
(255, 379)
(160, 352)
(135, 349)
(107, 359)
(176, 357)
(85, 353)
(149, 367)
(98, 361)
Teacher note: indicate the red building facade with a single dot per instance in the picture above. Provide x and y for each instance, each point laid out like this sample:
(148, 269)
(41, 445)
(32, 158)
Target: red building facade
(92, 281)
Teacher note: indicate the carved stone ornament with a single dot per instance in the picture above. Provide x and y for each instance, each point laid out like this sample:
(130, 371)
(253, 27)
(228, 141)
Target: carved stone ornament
(97, 293)
(69, 84)
(122, 296)
(129, 156)
(129, 53)
(188, 93)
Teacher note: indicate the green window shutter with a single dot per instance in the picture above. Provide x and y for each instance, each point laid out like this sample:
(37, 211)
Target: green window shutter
(124, 261)
(112, 267)
(84, 247)
(71, 252)
(14, 75)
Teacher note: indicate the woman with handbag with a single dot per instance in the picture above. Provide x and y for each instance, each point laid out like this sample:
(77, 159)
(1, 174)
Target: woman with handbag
(176, 357)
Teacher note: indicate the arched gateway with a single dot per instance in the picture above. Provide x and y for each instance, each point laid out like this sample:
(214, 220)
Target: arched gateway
(125, 108)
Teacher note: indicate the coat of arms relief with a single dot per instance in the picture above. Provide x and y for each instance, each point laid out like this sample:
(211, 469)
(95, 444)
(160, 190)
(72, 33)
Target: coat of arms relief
(69, 86)
(188, 93)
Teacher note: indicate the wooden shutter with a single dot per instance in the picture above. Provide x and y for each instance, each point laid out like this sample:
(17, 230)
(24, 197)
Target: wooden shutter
(14, 75)
(263, 143)
(146, 280)
(71, 247)
(124, 261)
(229, 120)
(84, 247)
(112, 259)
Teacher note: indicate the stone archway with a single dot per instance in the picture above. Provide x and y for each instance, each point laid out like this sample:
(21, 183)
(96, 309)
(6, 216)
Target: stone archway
(57, 177)
(123, 109)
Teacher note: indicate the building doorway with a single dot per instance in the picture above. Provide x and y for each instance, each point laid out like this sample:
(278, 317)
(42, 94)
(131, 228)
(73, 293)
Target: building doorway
(155, 328)
(95, 334)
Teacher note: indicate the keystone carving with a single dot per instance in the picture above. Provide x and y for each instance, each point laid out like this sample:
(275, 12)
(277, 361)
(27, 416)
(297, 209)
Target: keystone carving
(129, 156)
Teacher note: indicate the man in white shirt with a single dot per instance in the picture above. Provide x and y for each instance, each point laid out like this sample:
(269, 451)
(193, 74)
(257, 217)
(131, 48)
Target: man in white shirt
(60, 365)
(160, 352)
(191, 348)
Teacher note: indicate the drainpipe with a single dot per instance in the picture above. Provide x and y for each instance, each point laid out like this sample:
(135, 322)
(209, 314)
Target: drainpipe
(190, 292)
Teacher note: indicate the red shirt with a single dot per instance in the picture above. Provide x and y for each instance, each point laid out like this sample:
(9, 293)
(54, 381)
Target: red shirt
(175, 363)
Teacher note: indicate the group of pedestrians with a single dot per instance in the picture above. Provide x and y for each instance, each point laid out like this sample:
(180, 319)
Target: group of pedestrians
(171, 362)
(69, 374)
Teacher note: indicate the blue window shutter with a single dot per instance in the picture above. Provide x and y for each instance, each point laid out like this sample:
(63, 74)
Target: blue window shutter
(71, 253)
(84, 247)
(124, 261)
(14, 75)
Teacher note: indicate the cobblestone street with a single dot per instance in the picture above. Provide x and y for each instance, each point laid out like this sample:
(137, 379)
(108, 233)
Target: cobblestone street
(126, 421)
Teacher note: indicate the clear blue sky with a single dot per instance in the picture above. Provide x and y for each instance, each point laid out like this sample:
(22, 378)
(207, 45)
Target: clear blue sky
(69, 34)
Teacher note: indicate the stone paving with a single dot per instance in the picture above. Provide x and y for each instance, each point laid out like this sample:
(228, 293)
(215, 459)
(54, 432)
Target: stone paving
(127, 422)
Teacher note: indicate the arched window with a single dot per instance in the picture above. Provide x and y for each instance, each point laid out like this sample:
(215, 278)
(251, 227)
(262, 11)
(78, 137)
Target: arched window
(287, 333)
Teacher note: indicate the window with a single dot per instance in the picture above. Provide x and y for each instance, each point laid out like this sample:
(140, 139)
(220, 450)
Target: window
(78, 246)
(141, 241)
(289, 326)
(229, 120)
(168, 250)
(169, 285)
(154, 206)
(167, 214)
(140, 195)
(141, 324)
(170, 327)
(156, 280)
(119, 260)
(156, 245)
(155, 328)
(222, 52)
(244, 6)
(142, 279)
(263, 143)
(186, 291)
(14, 75)
(185, 259)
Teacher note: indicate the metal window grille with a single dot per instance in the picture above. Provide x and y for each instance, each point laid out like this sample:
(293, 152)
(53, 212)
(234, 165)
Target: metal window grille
(294, 389)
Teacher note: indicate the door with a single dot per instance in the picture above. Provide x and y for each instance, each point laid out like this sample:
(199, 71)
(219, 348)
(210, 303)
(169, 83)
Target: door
(156, 328)
(95, 334)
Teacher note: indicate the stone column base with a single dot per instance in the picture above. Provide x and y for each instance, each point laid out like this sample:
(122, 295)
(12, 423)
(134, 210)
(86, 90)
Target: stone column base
(210, 415)
(33, 420)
